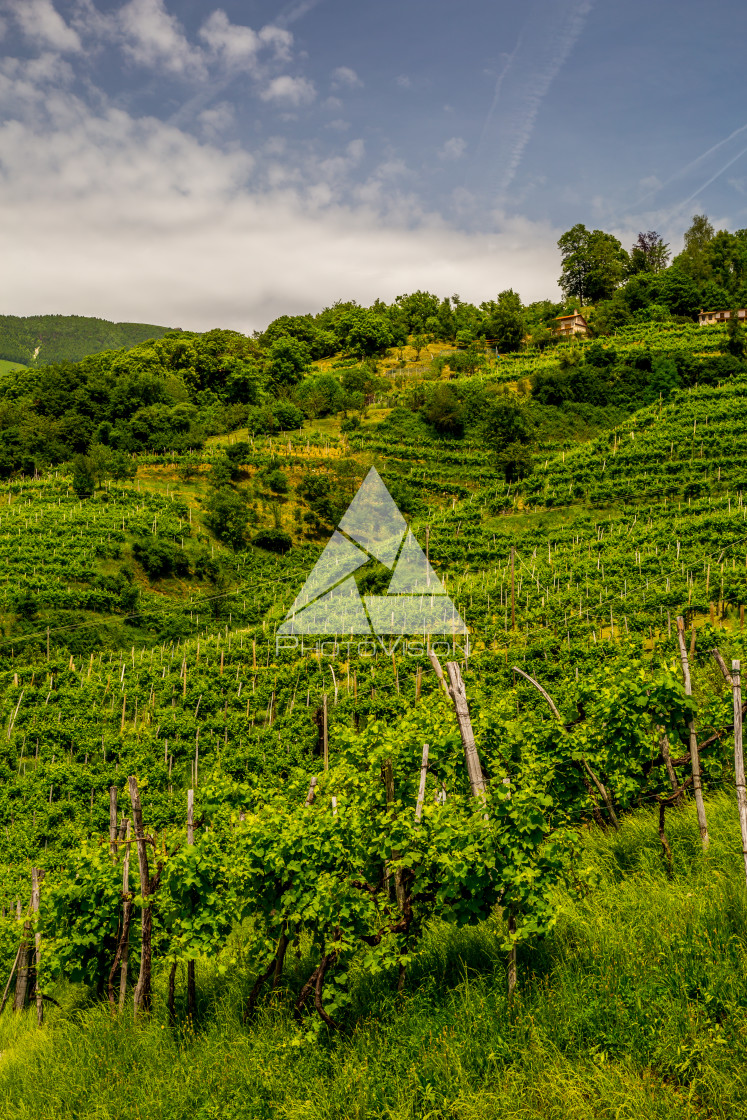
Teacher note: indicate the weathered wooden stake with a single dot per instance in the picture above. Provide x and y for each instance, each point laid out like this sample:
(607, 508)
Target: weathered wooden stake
(325, 734)
(112, 822)
(513, 611)
(421, 787)
(24, 961)
(126, 919)
(736, 675)
(694, 757)
(142, 997)
(459, 696)
(37, 876)
(191, 983)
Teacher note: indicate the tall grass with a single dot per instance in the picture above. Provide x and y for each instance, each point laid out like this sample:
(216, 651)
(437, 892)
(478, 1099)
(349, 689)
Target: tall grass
(634, 1007)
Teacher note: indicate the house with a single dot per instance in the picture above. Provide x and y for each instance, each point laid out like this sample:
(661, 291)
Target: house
(570, 325)
(719, 316)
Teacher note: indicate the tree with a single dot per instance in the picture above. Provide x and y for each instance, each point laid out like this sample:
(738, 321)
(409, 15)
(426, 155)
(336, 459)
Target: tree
(679, 292)
(419, 342)
(444, 410)
(288, 359)
(694, 260)
(84, 476)
(364, 333)
(735, 343)
(593, 264)
(506, 423)
(649, 254)
(727, 255)
(515, 460)
(227, 516)
(505, 321)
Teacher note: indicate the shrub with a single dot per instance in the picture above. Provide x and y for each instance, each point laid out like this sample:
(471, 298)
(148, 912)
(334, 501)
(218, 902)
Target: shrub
(273, 540)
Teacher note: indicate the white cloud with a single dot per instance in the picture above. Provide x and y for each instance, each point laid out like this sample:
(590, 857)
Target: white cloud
(40, 22)
(279, 39)
(214, 122)
(453, 148)
(236, 43)
(404, 82)
(104, 214)
(289, 91)
(344, 76)
(154, 38)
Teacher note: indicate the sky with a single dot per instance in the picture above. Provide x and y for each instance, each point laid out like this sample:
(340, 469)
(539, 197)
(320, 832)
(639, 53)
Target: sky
(197, 166)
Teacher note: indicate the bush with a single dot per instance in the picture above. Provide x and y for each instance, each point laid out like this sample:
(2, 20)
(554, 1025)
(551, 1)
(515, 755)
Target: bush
(273, 540)
(160, 557)
(287, 416)
(227, 516)
(239, 452)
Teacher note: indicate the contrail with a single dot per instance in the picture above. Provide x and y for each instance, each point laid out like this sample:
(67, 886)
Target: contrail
(693, 163)
(498, 87)
(525, 94)
(713, 178)
(294, 11)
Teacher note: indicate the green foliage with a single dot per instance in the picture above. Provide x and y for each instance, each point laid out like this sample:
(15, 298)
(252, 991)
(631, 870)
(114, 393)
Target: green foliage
(505, 322)
(593, 264)
(649, 254)
(46, 339)
(319, 396)
(273, 540)
(288, 359)
(160, 557)
(227, 516)
(363, 333)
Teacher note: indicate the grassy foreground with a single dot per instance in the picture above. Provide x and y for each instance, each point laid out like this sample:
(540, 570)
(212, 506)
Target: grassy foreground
(635, 1006)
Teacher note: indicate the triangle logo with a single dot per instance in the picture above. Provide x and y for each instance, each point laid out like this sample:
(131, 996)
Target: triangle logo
(372, 528)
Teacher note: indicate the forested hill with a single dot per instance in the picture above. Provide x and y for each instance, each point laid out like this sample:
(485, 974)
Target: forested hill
(42, 339)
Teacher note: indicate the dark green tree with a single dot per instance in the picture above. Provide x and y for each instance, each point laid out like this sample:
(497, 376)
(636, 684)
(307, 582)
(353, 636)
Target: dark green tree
(227, 516)
(84, 476)
(363, 333)
(506, 422)
(505, 321)
(444, 410)
(694, 260)
(288, 359)
(649, 254)
(593, 264)
(735, 342)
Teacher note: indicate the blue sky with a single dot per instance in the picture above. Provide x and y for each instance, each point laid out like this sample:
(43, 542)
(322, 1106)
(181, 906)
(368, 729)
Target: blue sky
(199, 165)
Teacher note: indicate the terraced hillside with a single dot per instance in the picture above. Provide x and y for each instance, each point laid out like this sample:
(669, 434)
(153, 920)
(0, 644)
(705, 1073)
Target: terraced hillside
(338, 830)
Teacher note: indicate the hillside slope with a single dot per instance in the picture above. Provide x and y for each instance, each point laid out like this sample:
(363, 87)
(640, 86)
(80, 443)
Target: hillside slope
(43, 339)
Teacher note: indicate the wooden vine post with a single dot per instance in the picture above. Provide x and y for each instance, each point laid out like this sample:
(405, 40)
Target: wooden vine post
(734, 680)
(191, 985)
(694, 756)
(513, 611)
(24, 962)
(126, 919)
(325, 733)
(113, 822)
(736, 675)
(37, 876)
(458, 693)
(142, 997)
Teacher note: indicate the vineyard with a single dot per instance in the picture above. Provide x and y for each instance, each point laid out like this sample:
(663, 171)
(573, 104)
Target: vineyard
(388, 877)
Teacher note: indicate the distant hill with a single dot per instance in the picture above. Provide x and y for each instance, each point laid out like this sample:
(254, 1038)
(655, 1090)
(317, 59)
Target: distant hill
(43, 339)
